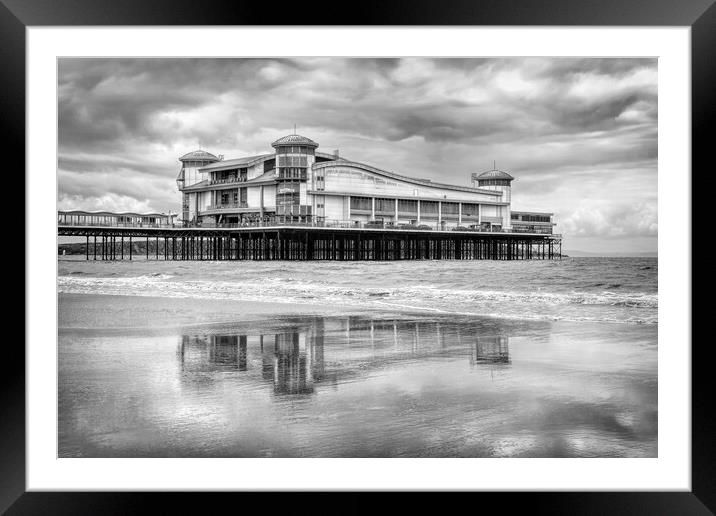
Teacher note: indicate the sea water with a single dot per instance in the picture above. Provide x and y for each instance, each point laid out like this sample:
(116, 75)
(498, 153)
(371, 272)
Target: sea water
(620, 290)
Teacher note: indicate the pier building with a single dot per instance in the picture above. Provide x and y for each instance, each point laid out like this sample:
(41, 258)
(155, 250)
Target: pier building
(297, 203)
(106, 218)
(297, 183)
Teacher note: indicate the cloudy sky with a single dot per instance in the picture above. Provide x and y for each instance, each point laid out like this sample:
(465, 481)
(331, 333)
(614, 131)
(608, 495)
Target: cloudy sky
(580, 135)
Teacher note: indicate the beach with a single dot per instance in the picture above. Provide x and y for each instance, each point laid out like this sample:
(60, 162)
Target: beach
(165, 370)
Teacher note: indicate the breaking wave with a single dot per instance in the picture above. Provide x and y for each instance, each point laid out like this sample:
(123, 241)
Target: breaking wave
(605, 305)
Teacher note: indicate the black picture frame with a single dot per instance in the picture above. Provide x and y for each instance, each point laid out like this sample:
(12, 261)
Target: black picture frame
(700, 15)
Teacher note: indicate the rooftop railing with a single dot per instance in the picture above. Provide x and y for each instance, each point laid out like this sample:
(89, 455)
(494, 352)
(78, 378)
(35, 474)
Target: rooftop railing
(117, 224)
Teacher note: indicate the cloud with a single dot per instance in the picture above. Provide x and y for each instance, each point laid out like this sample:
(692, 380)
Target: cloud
(573, 131)
(612, 221)
(106, 202)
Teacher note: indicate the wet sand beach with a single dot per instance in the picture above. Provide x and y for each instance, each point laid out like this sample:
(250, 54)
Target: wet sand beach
(143, 376)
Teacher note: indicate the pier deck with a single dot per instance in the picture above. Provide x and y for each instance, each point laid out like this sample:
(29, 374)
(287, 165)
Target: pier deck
(305, 242)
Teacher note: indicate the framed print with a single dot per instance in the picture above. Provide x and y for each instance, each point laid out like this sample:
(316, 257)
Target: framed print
(439, 254)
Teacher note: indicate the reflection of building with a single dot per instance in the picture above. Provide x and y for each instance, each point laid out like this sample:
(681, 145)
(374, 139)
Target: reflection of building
(298, 359)
(295, 182)
(293, 371)
(229, 350)
(213, 352)
(490, 350)
(293, 358)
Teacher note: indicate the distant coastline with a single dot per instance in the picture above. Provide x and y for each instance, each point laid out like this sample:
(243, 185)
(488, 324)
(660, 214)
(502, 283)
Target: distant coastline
(586, 254)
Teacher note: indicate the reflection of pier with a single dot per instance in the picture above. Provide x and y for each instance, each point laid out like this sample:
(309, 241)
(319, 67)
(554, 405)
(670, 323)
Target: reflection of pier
(293, 357)
(228, 349)
(291, 360)
(292, 364)
(490, 350)
(213, 352)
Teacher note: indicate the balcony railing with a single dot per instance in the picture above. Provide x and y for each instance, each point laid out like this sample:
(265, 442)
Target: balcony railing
(542, 231)
(290, 175)
(226, 206)
(344, 224)
(354, 224)
(228, 180)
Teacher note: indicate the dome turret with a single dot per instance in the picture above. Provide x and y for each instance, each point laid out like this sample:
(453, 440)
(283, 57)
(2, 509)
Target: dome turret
(495, 174)
(492, 177)
(294, 139)
(199, 155)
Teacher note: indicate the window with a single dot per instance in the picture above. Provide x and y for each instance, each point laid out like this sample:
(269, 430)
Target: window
(532, 218)
(385, 205)
(361, 203)
(428, 207)
(292, 173)
(320, 205)
(288, 193)
(407, 206)
(470, 210)
(287, 161)
(494, 182)
(450, 208)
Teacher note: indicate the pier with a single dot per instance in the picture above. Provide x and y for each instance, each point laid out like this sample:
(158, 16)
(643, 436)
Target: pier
(306, 242)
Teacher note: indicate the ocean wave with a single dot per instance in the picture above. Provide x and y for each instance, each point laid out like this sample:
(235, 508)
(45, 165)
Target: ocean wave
(537, 304)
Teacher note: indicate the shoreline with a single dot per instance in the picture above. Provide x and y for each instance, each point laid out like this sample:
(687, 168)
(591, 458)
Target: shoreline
(84, 311)
(81, 312)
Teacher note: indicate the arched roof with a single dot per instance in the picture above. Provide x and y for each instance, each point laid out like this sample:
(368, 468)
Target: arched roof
(198, 155)
(294, 139)
(399, 177)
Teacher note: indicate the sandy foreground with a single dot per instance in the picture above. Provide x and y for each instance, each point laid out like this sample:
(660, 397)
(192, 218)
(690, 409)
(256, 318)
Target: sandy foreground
(81, 311)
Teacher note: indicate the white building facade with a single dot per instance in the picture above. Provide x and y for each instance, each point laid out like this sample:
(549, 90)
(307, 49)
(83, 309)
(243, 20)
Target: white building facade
(296, 183)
